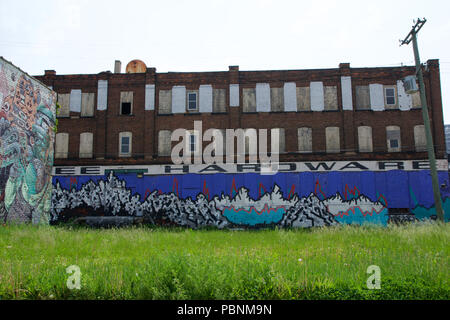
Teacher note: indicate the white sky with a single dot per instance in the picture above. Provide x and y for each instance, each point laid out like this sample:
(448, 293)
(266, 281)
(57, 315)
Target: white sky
(86, 36)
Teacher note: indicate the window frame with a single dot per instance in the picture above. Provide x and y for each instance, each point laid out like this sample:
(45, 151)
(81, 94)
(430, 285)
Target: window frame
(189, 93)
(128, 135)
(123, 95)
(386, 88)
(389, 147)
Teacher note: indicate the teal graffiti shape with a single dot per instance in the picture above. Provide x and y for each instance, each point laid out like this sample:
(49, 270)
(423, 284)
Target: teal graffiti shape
(356, 215)
(252, 216)
(423, 213)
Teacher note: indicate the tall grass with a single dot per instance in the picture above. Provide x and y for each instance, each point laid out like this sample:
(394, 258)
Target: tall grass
(146, 263)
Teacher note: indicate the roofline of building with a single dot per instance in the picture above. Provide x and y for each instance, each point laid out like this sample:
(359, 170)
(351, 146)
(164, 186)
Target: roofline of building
(236, 68)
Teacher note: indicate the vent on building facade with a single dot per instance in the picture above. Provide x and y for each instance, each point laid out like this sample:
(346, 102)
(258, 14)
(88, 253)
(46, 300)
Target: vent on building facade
(410, 84)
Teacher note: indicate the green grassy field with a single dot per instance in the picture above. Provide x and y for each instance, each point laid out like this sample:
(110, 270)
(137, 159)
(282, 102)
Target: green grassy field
(145, 263)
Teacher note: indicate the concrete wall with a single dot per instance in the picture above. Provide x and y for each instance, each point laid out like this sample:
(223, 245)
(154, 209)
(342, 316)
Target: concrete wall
(27, 119)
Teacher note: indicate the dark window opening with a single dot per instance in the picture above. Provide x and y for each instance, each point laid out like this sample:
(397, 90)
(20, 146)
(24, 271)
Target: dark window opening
(394, 143)
(126, 108)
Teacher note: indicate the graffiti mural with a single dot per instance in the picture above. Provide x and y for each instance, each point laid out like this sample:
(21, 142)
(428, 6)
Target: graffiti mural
(27, 118)
(245, 200)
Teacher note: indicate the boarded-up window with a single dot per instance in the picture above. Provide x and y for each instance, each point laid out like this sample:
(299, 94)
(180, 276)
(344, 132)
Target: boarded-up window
(420, 139)
(126, 102)
(165, 101)
(365, 139)
(393, 139)
(61, 145)
(332, 139)
(330, 97)
(281, 140)
(86, 145)
(276, 99)
(303, 99)
(219, 100)
(87, 104)
(416, 102)
(164, 143)
(304, 140)
(249, 100)
(64, 101)
(362, 98)
(125, 144)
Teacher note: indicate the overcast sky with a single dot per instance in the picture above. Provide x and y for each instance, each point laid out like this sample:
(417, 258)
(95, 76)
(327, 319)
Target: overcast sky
(86, 36)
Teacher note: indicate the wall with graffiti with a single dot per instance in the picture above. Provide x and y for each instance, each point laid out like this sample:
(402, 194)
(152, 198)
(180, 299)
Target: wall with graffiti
(251, 200)
(27, 118)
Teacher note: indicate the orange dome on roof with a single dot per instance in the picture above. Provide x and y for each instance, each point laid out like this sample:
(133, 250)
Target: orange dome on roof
(136, 66)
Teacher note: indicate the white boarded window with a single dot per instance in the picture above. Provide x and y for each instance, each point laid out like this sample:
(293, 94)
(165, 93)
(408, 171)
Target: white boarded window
(304, 140)
(290, 96)
(333, 142)
(178, 99)
(61, 145)
(87, 104)
(75, 100)
(102, 94)
(64, 102)
(420, 139)
(365, 139)
(393, 139)
(234, 95)
(376, 97)
(317, 96)
(262, 97)
(125, 144)
(164, 143)
(86, 145)
(149, 97)
(126, 102)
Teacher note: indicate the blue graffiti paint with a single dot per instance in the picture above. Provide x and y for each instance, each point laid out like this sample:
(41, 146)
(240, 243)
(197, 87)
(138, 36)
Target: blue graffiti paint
(254, 217)
(346, 197)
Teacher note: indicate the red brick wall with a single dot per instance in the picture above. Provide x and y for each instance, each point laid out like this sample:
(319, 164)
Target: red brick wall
(106, 125)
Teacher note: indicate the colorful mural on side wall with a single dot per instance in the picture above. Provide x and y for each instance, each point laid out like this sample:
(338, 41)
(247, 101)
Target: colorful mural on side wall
(251, 200)
(27, 118)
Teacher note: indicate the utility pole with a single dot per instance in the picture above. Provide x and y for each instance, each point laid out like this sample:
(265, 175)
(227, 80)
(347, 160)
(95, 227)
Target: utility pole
(412, 36)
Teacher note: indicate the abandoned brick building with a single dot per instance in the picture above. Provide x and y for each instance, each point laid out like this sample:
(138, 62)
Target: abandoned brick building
(324, 114)
(351, 146)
